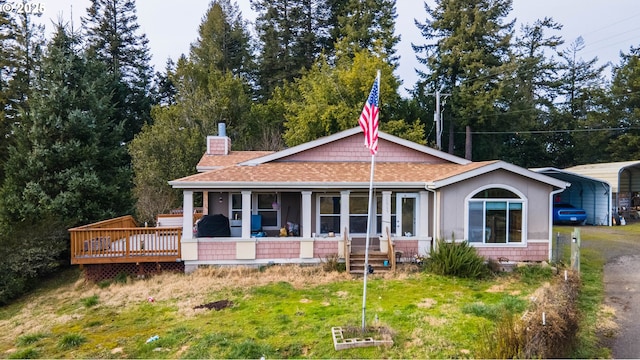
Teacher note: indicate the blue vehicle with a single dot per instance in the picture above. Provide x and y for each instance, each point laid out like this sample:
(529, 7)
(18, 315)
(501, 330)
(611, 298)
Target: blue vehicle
(568, 214)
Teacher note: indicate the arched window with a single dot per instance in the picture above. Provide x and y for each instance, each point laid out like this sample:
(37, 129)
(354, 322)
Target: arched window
(495, 216)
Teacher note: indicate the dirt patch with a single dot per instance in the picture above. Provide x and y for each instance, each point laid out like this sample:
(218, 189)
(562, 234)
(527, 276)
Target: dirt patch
(427, 303)
(216, 305)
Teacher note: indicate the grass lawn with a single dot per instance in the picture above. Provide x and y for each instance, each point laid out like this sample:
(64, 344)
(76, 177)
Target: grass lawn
(280, 312)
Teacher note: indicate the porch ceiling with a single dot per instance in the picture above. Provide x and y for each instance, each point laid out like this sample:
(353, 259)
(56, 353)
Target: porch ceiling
(324, 174)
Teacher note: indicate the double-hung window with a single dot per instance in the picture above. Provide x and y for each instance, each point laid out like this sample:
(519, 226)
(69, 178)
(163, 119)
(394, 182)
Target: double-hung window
(329, 210)
(265, 207)
(495, 216)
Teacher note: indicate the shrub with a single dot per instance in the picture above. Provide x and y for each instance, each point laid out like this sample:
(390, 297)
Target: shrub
(456, 259)
(28, 353)
(71, 341)
(506, 341)
(29, 339)
(121, 278)
(332, 263)
(90, 301)
(533, 274)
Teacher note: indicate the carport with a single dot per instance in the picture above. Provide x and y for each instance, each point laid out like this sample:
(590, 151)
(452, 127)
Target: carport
(624, 178)
(592, 195)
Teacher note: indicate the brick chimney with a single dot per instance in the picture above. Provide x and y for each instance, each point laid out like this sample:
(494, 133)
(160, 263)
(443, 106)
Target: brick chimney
(221, 144)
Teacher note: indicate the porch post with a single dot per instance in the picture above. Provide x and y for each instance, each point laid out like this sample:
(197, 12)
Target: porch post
(424, 242)
(306, 214)
(246, 214)
(386, 213)
(344, 212)
(205, 203)
(187, 214)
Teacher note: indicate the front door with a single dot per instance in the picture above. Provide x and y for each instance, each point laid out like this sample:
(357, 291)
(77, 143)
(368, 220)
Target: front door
(406, 214)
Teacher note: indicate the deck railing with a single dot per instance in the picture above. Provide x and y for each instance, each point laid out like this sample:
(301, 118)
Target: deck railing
(120, 240)
(391, 253)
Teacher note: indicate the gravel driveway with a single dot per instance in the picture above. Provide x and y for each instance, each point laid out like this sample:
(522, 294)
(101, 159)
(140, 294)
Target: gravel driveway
(622, 287)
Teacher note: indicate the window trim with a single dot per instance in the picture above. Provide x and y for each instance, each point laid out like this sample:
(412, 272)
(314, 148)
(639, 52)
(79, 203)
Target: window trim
(319, 215)
(522, 199)
(254, 207)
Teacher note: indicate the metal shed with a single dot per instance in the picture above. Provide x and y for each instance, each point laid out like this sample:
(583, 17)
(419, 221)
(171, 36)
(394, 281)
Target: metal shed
(591, 194)
(624, 178)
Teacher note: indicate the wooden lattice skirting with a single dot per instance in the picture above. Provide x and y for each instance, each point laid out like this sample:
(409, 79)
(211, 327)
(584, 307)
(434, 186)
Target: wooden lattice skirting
(100, 272)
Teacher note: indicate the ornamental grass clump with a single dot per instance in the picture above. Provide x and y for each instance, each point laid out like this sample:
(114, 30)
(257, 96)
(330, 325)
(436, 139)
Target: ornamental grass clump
(456, 259)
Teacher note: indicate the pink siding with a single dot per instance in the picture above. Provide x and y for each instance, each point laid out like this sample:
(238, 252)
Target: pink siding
(324, 249)
(218, 145)
(217, 251)
(352, 149)
(533, 252)
(409, 248)
(278, 250)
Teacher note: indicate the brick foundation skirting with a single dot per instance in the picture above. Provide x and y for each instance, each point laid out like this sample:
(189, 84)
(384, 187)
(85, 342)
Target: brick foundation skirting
(100, 272)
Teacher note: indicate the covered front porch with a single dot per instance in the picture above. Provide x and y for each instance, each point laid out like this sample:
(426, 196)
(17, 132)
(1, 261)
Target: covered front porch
(305, 226)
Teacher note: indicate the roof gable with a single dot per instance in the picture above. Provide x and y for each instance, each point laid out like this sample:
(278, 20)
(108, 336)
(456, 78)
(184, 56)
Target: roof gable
(347, 146)
(495, 165)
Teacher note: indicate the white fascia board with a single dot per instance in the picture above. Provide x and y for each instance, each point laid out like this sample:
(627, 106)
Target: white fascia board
(202, 169)
(505, 166)
(294, 186)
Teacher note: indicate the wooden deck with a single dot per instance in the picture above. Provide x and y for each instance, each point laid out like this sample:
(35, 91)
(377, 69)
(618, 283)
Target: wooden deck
(120, 240)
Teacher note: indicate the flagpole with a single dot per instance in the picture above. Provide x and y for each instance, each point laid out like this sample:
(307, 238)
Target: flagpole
(371, 140)
(366, 246)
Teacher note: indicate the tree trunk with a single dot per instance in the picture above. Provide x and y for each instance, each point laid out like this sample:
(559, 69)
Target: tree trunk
(451, 137)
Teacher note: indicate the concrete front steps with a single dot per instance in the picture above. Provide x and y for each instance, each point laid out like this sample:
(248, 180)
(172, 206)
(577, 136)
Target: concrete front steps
(376, 260)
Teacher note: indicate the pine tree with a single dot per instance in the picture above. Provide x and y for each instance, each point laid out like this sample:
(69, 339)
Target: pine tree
(467, 46)
(224, 41)
(625, 107)
(532, 84)
(112, 37)
(21, 44)
(67, 159)
(64, 167)
(370, 25)
(292, 33)
(211, 86)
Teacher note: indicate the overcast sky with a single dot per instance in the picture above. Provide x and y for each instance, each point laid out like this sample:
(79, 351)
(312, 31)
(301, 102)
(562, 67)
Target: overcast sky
(607, 27)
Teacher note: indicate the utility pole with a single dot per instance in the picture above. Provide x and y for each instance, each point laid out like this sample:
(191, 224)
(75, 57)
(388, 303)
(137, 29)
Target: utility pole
(437, 118)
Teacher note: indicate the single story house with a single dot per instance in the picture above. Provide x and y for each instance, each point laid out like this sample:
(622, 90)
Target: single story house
(318, 193)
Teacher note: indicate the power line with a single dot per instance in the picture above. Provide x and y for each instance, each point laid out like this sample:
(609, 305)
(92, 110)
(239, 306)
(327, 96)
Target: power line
(549, 131)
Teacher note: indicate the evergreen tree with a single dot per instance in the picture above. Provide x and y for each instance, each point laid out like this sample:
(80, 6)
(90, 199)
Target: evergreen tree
(625, 107)
(67, 159)
(328, 99)
(64, 166)
(292, 33)
(112, 37)
(467, 45)
(532, 87)
(582, 90)
(211, 86)
(21, 44)
(369, 24)
(224, 41)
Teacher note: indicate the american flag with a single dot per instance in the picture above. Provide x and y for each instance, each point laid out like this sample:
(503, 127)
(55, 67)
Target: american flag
(369, 118)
